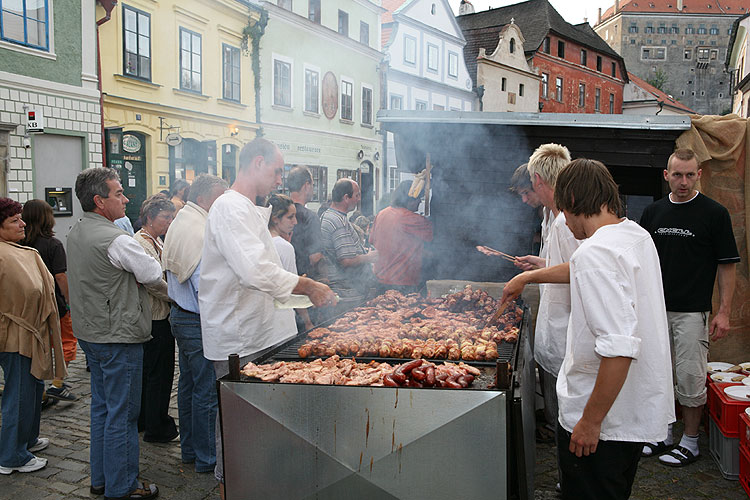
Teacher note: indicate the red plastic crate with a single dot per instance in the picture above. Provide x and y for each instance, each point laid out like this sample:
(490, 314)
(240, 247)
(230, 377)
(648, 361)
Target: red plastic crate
(745, 469)
(745, 431)
(725, 410)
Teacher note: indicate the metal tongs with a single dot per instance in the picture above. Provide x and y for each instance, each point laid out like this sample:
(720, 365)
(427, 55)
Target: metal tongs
(496, 315)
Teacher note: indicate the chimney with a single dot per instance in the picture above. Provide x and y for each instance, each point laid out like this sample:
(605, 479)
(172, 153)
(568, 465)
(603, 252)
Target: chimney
(465, 8)
(599, 20)
(679, 5)
(617, 6)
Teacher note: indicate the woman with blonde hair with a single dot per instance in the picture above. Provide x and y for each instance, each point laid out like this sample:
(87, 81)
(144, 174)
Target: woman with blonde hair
(37, 214)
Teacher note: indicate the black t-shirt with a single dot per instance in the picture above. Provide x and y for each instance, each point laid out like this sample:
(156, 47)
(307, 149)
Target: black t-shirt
(53, 255)
(692, 239)
(306, 239)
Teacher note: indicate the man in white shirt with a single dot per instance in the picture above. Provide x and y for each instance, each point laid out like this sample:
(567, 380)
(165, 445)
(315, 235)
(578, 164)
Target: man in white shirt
(241, 273)
(615, 385)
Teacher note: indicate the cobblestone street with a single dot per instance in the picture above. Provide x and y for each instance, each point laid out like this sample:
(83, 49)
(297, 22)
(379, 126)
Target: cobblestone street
(67, 473)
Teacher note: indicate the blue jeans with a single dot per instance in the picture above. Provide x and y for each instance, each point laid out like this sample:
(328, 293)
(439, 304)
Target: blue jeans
(116, 378)
(196, 393)
(21, 410)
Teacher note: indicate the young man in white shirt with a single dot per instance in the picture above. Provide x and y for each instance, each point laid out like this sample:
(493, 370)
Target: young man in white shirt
(615, 385)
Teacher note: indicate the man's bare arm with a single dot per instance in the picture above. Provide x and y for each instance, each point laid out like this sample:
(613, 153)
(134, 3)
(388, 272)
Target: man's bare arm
(364, 258)
(720, 324)
(555, 274)
(609, 381)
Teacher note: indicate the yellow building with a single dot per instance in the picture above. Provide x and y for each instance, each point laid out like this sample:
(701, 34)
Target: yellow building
(178, 90)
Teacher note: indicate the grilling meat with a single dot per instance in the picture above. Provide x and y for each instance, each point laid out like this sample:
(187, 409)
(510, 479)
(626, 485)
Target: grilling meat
(394, 325)
(337, 371)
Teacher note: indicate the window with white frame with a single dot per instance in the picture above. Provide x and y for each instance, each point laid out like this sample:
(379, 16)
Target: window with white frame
(420, 105)
(392, 178)
(559, 89)
(136, 31)
(366, 105)
(313, 11)
(231, 72)
(190, 60)
(25, 22)
(432, 57)
(453, 64)
(347, 96)
(410, 49)
(581, 95)
(598, 100)
(312, 90)
(397, 102)
(282, 82)
(285, 4)
(343, 22)
(545, 85)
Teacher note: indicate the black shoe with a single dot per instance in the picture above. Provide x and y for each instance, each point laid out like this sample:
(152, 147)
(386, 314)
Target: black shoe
(144, 492)
(61, 393)
(96, 490)
(47, 402)
(161, 439)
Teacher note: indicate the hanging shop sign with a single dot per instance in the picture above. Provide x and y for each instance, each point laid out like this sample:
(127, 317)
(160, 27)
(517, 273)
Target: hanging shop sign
(173, 139)
(330, 95)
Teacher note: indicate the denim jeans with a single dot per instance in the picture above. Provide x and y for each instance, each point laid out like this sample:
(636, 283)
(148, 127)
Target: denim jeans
(196, 393)
(21, 410)
(116, 377)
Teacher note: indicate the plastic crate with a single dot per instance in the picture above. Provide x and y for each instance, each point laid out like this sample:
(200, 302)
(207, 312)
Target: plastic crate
(745, 431)
(725, 451)
(725, 410)
(745, 469)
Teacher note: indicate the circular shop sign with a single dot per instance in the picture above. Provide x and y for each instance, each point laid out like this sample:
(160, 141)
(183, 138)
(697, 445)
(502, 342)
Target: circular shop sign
(330, 95)
(173, 139)
(130, 143)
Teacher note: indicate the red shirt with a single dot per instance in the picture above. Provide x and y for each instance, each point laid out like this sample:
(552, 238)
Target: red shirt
(399, 236)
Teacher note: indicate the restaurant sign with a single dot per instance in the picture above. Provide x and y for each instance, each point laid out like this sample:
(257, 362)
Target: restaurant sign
(131, 143)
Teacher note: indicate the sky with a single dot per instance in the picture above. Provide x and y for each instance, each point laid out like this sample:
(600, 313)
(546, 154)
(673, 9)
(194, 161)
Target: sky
(574, 11)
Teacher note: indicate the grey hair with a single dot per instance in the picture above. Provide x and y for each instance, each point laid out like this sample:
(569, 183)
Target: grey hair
(203, 185)
(155, 204)
(257, 147)
(92, 182)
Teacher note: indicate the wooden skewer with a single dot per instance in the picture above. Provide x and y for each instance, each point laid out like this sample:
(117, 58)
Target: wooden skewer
(496, 315)
(501, 254)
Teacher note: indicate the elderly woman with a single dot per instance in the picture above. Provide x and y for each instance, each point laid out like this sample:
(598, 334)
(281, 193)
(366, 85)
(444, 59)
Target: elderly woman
(157, 213)
(178, 193)
(39, 220)
(29, 335)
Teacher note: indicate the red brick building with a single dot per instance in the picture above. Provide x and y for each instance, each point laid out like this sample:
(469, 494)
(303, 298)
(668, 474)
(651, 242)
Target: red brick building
(580, 72)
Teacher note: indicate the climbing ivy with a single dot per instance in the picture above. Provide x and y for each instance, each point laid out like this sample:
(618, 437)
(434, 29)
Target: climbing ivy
(251, 35)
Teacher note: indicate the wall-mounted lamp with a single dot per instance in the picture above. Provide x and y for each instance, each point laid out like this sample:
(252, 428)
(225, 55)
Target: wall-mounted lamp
(235, 131)
(376, 156)
(541, 106)
(360, 155)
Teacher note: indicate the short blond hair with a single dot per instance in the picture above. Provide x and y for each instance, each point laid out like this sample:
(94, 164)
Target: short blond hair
(547, 161)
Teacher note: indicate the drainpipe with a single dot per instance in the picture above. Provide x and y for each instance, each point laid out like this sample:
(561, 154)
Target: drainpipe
(101, 21)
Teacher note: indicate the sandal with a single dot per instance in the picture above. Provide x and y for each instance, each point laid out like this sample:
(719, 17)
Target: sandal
(655, 449)
(681, 454)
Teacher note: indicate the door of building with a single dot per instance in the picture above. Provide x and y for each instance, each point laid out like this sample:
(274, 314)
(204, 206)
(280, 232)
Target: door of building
(132, 172)
(366, 185)
(58, 159)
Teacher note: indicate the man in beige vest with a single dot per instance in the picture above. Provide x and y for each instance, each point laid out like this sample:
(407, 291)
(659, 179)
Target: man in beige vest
(112, 319)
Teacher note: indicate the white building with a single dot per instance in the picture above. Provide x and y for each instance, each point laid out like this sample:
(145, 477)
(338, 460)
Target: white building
(424, 49)
(509, 83)
(738, 65)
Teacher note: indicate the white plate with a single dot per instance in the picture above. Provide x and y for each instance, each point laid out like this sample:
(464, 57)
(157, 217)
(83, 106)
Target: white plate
(746, 380)
(718, 366)
(745, 366)
(747, 410)
(738, 392)
(726, 377)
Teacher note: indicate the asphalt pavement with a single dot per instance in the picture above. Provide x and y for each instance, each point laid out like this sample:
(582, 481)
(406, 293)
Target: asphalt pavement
(67, 473)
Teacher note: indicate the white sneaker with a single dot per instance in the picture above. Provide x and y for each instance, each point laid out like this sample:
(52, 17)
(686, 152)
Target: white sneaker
(35, 463)
(41, 443)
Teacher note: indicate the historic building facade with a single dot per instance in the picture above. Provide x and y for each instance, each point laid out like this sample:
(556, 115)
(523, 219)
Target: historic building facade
(681, 43)
(579, 72)
(179, 90)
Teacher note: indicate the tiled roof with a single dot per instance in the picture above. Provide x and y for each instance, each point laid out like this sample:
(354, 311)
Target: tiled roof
(390, 6)
(658, 94)
(536, 18)
(385, 35)
(728, 7)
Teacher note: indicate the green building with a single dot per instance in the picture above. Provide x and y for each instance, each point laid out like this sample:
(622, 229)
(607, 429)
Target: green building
(50, 116)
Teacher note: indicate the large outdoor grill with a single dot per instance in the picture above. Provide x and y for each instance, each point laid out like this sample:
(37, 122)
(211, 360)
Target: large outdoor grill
(292, 441)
